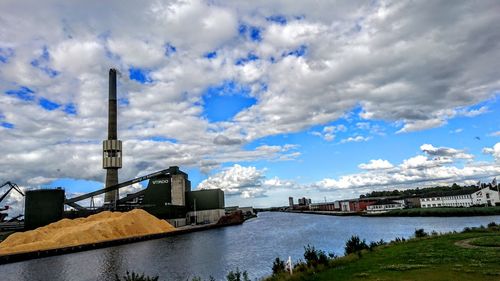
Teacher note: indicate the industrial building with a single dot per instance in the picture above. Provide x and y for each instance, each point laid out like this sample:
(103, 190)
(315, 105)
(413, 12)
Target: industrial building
(483, 197)
(167, 196)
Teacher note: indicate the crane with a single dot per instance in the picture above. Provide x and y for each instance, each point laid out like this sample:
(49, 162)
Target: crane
(12, 186)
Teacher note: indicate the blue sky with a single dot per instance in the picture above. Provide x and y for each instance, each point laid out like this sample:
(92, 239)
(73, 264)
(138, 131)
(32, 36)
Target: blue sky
(263, 100)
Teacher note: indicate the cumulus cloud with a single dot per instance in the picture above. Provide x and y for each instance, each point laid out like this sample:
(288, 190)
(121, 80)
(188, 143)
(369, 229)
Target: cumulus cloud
(494, 151)
(430, 150)
(237, 180)
(377, 164)
(420, 170)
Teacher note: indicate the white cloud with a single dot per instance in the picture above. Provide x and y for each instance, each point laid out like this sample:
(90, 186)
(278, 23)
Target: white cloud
(138, 53)
(237, 180)
(355, 139)
(495, 134)
(415, 171)
(377, 164)
(430, 150)
(495, 151)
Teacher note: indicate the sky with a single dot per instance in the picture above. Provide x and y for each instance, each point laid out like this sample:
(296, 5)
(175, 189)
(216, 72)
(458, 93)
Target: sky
(263, 99)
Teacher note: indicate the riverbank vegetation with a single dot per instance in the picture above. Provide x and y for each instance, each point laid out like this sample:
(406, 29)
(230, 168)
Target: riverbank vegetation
(470, 255)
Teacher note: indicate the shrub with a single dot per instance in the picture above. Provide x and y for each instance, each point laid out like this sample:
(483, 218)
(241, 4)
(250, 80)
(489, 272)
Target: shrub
(492, 224)
(278, 266)
(374, 244)
(398, 240)
(300, 266)
(354, 244)
(332, 255)
(136, 277)
(237, 276)
(314, 257)
(419, 233)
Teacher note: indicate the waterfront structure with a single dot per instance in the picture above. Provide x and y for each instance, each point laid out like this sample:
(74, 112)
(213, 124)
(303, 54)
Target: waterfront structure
(204, 206)
(344, 206)
(325, 206)
(459, 200)
(352, 205)
(112, 147)
(290, 202)
(383, 206)
(483, 197)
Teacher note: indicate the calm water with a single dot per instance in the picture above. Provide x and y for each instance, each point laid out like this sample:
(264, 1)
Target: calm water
(252, 246)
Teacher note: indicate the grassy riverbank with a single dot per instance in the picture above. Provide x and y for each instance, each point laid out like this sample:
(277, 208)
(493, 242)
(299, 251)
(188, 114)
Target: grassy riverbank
(442, 212)
(471, 255)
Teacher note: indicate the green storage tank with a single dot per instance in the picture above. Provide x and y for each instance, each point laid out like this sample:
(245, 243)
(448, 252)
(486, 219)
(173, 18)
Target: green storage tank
(206, 199)
(42, 207)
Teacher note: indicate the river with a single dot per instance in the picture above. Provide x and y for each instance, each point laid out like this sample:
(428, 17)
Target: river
(251, 246)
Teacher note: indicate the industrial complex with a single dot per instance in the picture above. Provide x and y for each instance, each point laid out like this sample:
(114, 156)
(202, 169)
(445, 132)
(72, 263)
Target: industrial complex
(168, 194)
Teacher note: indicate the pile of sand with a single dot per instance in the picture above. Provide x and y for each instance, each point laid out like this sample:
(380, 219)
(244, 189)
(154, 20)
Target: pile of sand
(100, 227)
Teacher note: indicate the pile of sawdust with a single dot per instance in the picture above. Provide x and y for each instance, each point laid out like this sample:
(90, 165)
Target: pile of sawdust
(100, 227)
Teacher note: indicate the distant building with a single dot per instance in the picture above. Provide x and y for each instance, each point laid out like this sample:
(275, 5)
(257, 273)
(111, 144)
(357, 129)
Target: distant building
(304, 201)
(412, 202)
(483, 197)
(290, 202)
(383, 206)
(486, 196)
(325, 206)
(344, 206)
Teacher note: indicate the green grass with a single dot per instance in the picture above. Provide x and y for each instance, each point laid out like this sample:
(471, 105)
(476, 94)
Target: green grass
(425, 259)
(443, 212)
(487, 241)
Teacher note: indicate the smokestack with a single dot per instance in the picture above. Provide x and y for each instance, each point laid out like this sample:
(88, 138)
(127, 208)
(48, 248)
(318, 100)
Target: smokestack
(112, 147)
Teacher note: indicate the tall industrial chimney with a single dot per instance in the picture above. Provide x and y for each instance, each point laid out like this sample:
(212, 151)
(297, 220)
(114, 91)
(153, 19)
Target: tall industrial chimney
(112, 147)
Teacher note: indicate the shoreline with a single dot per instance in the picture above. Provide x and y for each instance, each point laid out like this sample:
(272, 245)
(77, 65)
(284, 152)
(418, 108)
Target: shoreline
(416, 212)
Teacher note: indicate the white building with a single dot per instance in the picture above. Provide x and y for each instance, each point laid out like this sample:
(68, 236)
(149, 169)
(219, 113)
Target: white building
(485, 197)
(344, 206)
(384, 206)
